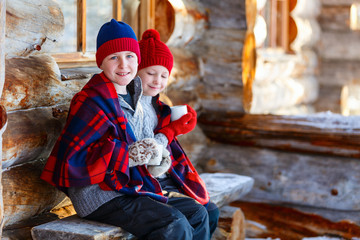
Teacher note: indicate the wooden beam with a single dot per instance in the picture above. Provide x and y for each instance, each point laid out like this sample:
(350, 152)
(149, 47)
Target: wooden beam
(2, 43)
(2, 109)
(32, 28)
(146, 15)
(81, 26)
(330, 134)
(284, 33)
(117, 6)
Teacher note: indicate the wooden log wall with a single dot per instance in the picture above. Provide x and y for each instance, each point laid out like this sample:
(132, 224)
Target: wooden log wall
(3, 115)
(283, 79)
(295, 160)
(327, 134)
(339, 50)
(315, 181)
(34, 98)
(218, 54)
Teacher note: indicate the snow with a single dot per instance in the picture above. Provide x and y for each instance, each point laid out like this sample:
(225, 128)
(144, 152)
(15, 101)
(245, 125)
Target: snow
(326, 120)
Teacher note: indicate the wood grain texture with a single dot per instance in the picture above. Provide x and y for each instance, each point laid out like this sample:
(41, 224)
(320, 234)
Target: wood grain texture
(35, 81)
(319, 133)
(25, 195)
(30, 135)
(30, 24)
(311, 180)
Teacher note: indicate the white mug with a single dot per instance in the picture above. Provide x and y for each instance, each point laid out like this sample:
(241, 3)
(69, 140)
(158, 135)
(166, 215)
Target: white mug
(177, 112)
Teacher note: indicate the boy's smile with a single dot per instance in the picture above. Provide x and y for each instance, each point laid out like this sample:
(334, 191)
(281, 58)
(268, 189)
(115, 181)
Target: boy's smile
(120, 68)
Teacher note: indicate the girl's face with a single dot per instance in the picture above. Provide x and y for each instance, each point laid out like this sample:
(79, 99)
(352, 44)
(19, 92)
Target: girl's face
(154, 79)
(120, 68)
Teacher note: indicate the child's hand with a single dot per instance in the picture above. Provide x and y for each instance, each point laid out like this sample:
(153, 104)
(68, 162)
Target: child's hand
(181, 126)
(157, 157)
(142, 151)
(164, 166)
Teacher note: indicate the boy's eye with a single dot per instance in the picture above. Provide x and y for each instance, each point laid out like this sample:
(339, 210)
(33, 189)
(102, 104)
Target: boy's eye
(130, 56)
(150, 73)
(113, 57)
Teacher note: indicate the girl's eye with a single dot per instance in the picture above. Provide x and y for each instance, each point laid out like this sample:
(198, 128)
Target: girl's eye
(164, 76)
(113, 58)
(150, 73)
(129, 56)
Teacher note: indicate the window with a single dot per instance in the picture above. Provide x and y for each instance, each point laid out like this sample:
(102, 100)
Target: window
(281, 28)
(83, 18)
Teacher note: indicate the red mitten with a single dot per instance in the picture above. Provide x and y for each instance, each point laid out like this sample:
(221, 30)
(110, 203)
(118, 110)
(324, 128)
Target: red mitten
(181, 126)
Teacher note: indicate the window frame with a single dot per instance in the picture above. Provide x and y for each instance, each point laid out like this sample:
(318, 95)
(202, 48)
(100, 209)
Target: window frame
(82, 58)
(281, 26)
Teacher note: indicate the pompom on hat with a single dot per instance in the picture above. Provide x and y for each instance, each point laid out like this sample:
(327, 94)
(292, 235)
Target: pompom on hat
(154, 52)
(115, 37)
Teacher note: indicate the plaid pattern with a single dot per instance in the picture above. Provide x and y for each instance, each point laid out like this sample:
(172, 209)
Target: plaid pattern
(181, 171)
(93, 149)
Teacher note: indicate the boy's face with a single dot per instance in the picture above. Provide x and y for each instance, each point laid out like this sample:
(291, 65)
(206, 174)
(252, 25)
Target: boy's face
(120, 68)
(154, 79)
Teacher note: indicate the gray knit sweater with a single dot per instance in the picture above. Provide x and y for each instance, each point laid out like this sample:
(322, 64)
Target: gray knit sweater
(89, 198)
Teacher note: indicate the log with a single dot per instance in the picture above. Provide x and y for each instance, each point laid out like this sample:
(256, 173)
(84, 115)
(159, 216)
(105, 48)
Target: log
(164, 23)
(188, 23)
(306, 9)
(249, 69)
(265, 221)
(308, 36)
(220, 69)
(30, 135)
(323, 133)
(310, 180)
(329, 99)
(330, 40)
(224, 188)
(233, 18)
(335, 18)
(2, 48)
(25, 195)
(350, 99)
(3, 116)
(283, 93)
(336, 3)
(273, 64)
(251, 8)
(32, 27)
(193, 143)
(183, 85)
(231, 225)
(339, 72)
(281, 81)
(35, 82)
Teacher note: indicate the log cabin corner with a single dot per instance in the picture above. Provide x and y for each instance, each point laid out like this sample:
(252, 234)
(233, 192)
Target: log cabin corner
(275, 84)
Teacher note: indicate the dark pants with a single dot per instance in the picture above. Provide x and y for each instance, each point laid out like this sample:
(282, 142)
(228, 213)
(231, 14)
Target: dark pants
(214, 214)
(181, 218)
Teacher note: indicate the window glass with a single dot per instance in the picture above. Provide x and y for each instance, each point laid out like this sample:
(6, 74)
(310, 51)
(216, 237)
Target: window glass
(67, 43)
(97, 13)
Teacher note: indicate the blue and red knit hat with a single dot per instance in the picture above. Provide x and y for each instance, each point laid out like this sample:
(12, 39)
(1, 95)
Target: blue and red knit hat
(154, 52)
(115, 37)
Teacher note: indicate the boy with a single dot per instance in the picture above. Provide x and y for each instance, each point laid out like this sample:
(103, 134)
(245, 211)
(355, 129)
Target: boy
(90, 160)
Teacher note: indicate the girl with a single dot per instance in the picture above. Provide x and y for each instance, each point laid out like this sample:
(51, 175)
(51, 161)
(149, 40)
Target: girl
(154, 71)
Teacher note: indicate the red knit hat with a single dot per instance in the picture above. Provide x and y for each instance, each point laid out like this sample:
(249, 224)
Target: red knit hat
(154, 52)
